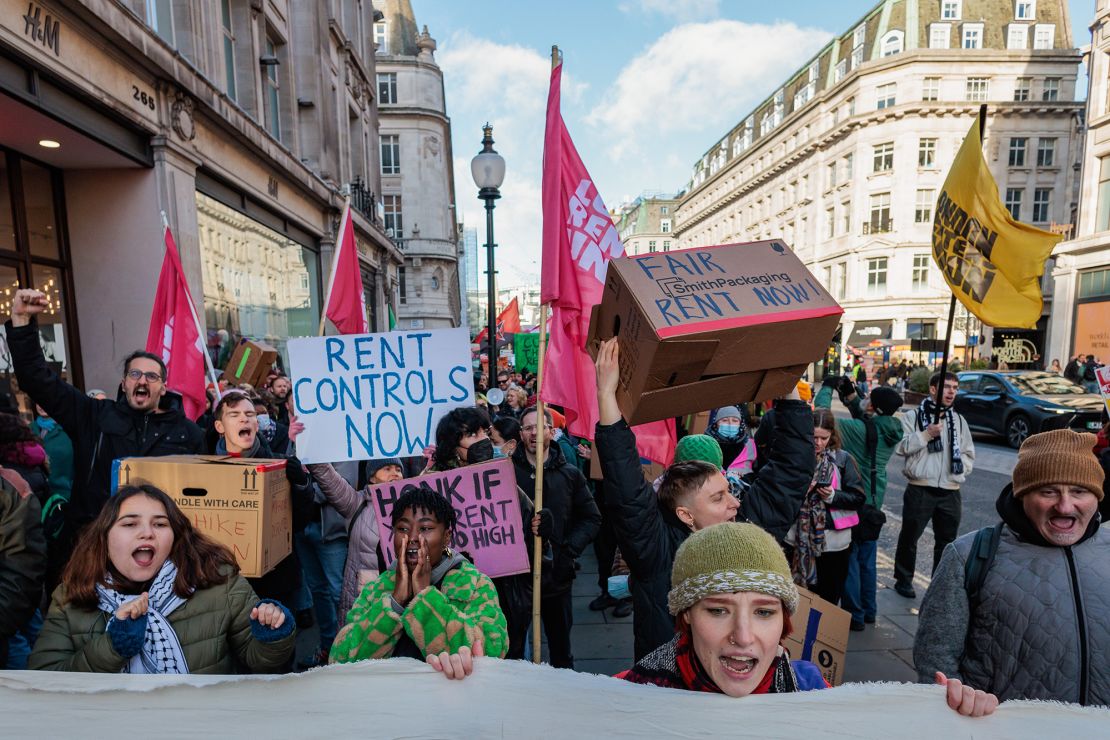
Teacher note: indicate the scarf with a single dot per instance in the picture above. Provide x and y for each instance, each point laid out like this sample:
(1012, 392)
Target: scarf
(926, 412)
(810, 535)
(675, 665)
(221, 448)
(161, 651)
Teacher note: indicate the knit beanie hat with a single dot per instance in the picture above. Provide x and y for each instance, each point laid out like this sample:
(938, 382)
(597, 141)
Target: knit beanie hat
(886, 400)
(726, 411)
(373, 466)
(699, 447)
(1059, 456)
(729, 558)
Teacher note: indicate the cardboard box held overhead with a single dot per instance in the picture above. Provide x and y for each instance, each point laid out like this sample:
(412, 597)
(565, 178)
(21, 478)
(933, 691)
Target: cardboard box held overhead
(711, 326)
(820, 635)
(250, 363)
(243, 504)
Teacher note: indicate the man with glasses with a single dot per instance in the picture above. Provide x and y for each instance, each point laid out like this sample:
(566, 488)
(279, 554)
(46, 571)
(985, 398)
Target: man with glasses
(145, 420)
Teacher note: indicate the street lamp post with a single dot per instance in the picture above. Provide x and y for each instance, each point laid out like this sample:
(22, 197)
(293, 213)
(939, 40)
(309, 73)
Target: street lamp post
(488, 169)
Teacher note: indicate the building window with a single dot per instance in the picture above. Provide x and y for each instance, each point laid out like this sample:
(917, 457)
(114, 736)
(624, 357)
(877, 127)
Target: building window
(229, 48)
(886, 95)
(892, 43)
(1041, 199)
(391, 154)
(1025, 10)
(880, 214)
(858, 37)
(840, 280)
(1046, 152)
(978, 88)
(665, 225)
(847, 167)
(923, 209)
(920, 277)
(883, 160)
(1103, 217)
(930, 88)
(840, 70)
(402, 286)
(159, 16)
(381, 38)
(1017, 36)
(927, 153)
(846, 216)
(1044, 34)
(830, 175)
(666, 245)
(664, 210)
(876, 276)
(1017, 151)
(1013, 202)
(830, 223)
(973, 36)
(950, 10)
(1094, 284)
(1051, 89)
(273, 92)
(1021, 89)
(387, 88)
(392, 220)
(940, 36)
(921, 329)
(651, 246)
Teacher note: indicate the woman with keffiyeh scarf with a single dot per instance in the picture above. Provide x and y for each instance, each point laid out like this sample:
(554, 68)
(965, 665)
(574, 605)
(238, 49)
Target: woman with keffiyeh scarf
(147, 593)
(820, 540)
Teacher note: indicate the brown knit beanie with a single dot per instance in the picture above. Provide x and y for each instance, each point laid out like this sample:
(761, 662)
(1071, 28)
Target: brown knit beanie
(1060, 456)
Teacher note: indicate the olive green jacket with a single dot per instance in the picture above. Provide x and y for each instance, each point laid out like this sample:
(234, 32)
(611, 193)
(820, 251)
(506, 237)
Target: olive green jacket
(213, 626)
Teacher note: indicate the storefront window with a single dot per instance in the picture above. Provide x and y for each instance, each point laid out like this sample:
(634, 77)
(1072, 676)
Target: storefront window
(7, 223)
(258, 283)
(38, 193)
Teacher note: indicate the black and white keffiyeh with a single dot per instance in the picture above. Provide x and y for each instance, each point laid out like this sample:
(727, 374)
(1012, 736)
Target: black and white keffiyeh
(161, 651)
(926, 412)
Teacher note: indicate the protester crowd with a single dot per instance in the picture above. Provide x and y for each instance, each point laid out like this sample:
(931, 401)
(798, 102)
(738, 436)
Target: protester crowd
(714, 549)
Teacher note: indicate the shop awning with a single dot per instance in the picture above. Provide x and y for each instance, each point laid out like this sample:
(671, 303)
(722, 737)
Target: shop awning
(866, 332)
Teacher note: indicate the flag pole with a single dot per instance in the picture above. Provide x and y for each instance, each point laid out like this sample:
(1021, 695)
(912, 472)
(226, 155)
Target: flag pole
(334, 264)
(952, 303)
(541, 420)
(201, 333)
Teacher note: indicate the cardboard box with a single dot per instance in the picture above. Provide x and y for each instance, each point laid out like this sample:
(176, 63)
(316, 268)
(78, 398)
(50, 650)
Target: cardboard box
(250, 363)
(243, 504)
(820, 635)
(711, 326)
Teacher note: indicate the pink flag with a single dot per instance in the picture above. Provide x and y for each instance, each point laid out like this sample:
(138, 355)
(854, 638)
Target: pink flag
(346, 300)
(579, 239)
(175, 335)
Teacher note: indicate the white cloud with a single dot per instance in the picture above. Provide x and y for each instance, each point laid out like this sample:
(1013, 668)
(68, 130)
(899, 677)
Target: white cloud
(698, 77)
(681, 9)
(506, 85)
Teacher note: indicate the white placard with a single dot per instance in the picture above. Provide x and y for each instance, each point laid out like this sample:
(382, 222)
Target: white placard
(368, 396)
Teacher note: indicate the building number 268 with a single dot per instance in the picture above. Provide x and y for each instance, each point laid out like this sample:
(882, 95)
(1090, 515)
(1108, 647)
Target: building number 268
(142, 97)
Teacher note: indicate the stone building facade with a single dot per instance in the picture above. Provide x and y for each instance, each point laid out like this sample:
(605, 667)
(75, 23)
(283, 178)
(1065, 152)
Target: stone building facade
(418, 186)
(647, 224)
(844, 161)
(246, 122)
(1081, 300)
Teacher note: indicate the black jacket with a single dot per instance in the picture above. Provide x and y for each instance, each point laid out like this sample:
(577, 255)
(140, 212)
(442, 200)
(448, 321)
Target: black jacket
(649, 536)
(101, 431)
(575, 517)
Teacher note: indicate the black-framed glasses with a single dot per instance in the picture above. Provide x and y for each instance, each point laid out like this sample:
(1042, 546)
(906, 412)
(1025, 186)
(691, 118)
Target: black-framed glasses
(151, 377)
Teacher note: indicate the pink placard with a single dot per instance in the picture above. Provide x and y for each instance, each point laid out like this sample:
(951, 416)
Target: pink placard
(489, 528)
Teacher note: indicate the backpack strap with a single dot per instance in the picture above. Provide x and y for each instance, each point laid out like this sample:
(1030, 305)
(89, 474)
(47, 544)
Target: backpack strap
(979, 561)
(357, 514)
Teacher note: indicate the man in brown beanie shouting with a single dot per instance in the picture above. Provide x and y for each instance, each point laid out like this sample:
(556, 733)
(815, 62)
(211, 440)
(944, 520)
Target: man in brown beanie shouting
(1021, 610)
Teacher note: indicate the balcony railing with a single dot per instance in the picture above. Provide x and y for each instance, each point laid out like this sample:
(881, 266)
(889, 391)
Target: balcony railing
(363, 200)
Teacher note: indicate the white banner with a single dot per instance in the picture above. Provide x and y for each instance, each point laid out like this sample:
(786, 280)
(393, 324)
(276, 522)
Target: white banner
(503, 698)
(368, 396)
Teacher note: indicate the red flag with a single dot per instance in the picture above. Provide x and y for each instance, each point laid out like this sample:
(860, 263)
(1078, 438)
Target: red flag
(579, 239)
(175, 335)
(346, 300)
(508, 322)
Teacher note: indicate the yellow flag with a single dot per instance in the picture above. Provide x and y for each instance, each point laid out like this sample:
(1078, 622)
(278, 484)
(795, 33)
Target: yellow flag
(990, 261)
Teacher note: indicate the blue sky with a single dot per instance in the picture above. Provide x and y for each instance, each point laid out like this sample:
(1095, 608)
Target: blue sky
(648, 86)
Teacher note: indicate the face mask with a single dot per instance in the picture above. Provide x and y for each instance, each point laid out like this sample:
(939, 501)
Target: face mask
(728, 431)
(498, 452)
(557, 435)
(479, 452)
(265, 423)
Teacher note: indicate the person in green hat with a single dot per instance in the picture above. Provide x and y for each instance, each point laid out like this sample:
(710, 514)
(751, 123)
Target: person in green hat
(732, 597)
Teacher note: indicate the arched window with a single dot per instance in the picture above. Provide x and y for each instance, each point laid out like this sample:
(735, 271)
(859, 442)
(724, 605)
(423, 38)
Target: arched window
(893, 43)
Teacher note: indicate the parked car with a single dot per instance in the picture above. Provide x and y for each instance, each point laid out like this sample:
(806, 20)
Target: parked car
(1018, 403)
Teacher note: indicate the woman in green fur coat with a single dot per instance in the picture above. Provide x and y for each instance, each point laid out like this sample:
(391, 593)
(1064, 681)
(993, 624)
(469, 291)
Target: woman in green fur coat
(433, 604)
